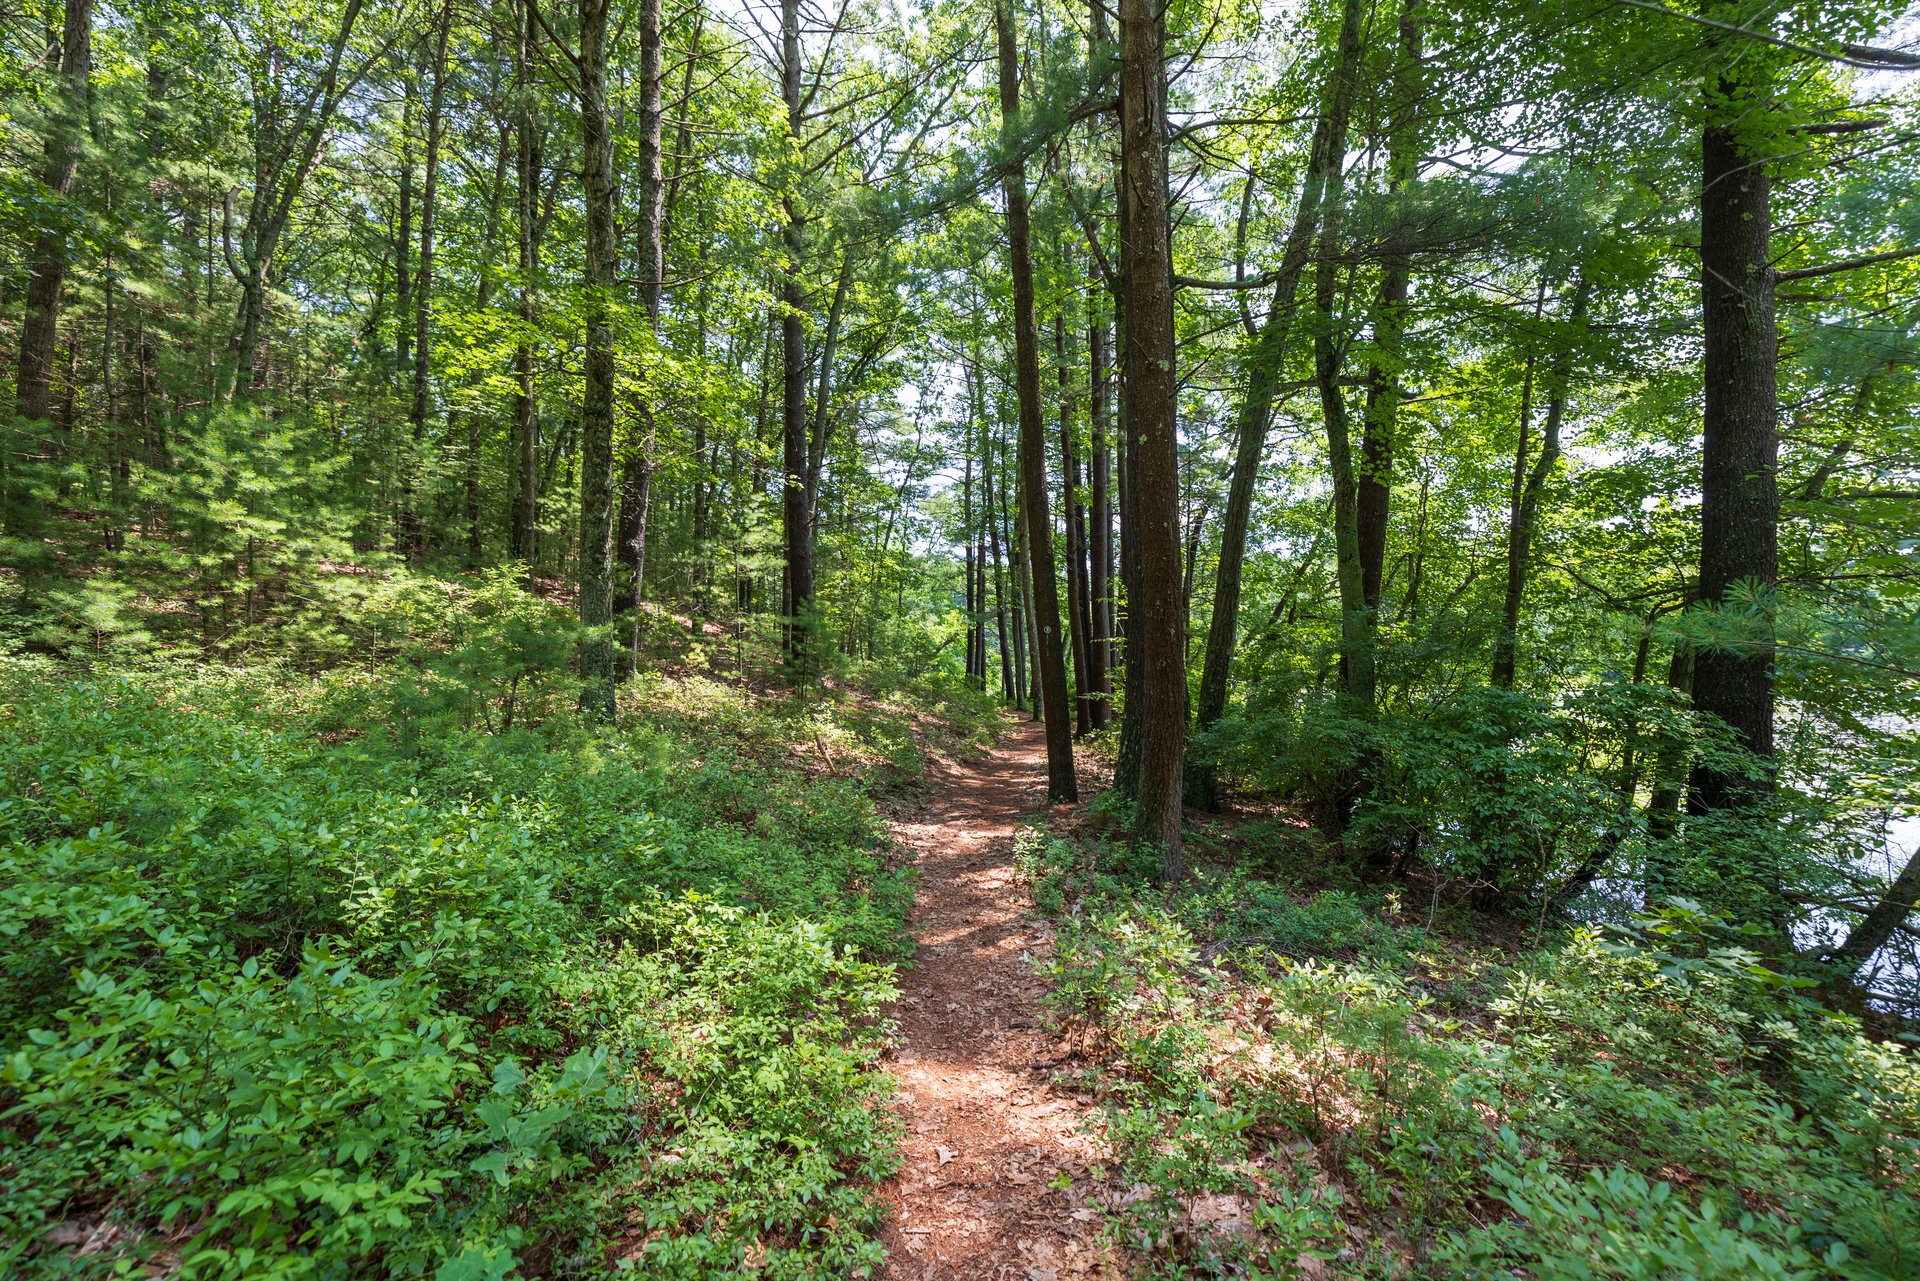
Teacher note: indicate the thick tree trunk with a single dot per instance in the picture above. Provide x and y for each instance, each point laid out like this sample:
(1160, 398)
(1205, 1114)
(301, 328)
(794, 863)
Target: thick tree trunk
(1147, 277)
(47, 258)
(1048, 659)
(1739, 494)
(597, 493)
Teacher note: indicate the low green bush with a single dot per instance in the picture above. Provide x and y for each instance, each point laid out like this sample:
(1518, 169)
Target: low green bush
(441, 998)
(1656, 1105)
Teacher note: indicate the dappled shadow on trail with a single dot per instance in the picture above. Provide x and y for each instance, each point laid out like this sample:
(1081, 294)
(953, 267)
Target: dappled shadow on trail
(995, 1182)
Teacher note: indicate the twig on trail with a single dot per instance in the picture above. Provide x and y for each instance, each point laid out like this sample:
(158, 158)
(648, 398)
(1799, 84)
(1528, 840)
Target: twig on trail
(822, 745)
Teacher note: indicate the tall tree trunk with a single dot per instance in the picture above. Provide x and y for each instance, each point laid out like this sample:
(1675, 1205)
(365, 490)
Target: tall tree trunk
(47, 257)
(1524, 513)
(403, 236)
(1668, 783)
(423, 285)
(1100, 541)
(1049, 662)
(650, 259)
(1356, 620)
(1127, 757)
(47, 261)
(279, 175)
(526, 517)
(793, 404)
(1739, 494)
(1079, 611)
(1390, 317)
(1008, 690)
(1017, 562)
(597, 494)
(1265, 364)
(482, 300)
(1147, 278)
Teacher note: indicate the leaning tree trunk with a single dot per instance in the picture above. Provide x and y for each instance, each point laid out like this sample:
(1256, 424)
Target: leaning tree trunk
(1049, 662)
(596, 407)
(1147, 278)
(1265, 364)
(1886, 916)
(1529, 485)
(1739, 494)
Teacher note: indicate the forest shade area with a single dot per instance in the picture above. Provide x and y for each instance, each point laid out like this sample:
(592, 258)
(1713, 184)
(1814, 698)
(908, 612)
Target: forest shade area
(498, 498)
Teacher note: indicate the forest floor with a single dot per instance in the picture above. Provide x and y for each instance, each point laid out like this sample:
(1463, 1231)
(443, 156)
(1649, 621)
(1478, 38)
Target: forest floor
(1000, 1178)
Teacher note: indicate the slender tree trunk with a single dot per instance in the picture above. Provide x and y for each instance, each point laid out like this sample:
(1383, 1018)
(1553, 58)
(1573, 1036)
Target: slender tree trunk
(793, 417)
(423, 286)
(403, 236)
(650, 259)
(1668, 783)
(1356, 620)
(1008, 690)
(1524, 515)
(597, 493)
(1739, 494)
(1147, 277)
(1127, 758)
(1017, 559)
(1390, 318)
(1079, 611)
(1100, 543)
(524, 542)
(1049, 662)
(483, 299)
(1265, 365)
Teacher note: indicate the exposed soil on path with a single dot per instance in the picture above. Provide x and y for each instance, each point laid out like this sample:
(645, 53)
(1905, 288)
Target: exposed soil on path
(995, 1182)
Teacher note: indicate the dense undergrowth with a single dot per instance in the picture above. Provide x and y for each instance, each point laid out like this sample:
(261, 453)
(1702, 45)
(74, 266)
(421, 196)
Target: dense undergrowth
(1345, 1086)
(400, 970)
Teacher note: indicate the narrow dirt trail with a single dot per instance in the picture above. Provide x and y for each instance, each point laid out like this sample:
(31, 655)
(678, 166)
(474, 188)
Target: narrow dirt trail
(995, 1182)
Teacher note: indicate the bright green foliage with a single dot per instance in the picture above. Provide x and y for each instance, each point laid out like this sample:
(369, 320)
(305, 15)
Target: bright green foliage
(431, 1000)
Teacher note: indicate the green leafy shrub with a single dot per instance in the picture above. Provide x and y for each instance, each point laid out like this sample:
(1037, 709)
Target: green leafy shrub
(281, 1001)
